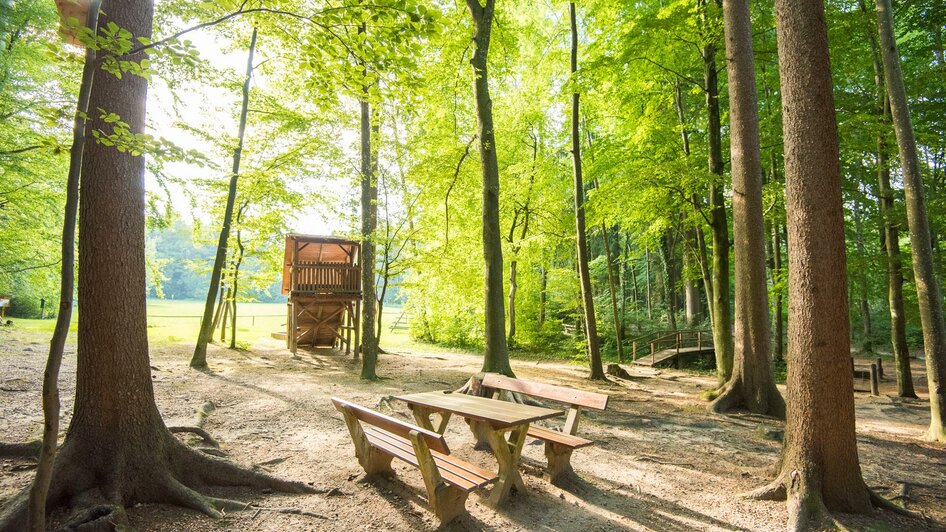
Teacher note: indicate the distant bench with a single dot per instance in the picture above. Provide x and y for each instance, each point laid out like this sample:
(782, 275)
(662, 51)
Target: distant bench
(379, 438)
(558, 444)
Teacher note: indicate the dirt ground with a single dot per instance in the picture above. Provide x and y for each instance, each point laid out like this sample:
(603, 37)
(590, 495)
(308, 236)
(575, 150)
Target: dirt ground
(660, 461)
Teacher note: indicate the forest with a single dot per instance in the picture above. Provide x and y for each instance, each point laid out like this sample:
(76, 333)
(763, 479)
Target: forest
(728, 217)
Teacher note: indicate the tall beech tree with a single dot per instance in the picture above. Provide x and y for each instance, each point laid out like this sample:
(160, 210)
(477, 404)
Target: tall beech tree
(928, 293)
(587, 296)
(117, 451)
(496, 358)
(369, 224)
(199, 359)
(751, 385)
(820, 471)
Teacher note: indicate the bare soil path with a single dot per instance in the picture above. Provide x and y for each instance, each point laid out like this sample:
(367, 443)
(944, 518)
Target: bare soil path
(660, 461)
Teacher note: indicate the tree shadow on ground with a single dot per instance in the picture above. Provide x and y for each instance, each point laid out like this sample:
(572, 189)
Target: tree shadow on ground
(601, 504)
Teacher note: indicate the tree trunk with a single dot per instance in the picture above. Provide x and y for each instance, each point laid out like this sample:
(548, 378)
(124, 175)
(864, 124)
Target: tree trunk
(47, 455)
(218, 314)
(820, 469)
(117, 451)
(751, 385)
(670, 278)
(618, 321)
(863, 304)
(513, 289)
(496, 358)
(779, 351)
(543, 285)
(369, 223)
(650, 297)
(587, 296)
(928, 292)
(236, 275)
(722, 321)
(199, 360)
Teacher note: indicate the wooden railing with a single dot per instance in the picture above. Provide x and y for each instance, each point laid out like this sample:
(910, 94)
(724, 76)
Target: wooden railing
(661, 340)
(326, 278)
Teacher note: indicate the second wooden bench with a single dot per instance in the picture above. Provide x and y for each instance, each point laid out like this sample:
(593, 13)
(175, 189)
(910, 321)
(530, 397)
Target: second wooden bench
(559, 445)
(379, 438)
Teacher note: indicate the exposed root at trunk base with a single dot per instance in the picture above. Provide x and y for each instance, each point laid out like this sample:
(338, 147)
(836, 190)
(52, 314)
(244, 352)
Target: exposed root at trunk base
(20, 450)
(774, 491)
(172, 476)
(884, 504)
(199, 432)
(733, 395)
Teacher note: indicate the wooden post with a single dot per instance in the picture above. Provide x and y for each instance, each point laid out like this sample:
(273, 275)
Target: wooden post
(874, 382)
(653, 354)
(357, 346)
(853, 370)
(880, 368)
(634, 351)
(699, 341)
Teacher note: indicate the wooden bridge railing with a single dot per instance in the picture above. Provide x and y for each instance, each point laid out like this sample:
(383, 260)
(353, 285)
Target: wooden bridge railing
(661, 340)
(326, 278)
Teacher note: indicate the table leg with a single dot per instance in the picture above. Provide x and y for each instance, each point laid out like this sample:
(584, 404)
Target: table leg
(423, 418)
(507, 453)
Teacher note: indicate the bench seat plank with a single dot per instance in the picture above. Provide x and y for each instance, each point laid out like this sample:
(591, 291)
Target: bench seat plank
(560, 438)
(454, 471)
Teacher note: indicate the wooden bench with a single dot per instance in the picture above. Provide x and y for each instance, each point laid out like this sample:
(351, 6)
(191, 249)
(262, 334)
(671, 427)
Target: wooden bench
(558, 444)
(379, 438)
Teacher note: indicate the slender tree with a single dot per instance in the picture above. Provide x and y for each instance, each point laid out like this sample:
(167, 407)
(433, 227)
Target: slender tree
(199, 360)
(496, 358)
(820, 471)
(369, 224)
(117, 451)
(587, 296)
(928, 292)
(47, 455)
(722, 317)
(751, 385)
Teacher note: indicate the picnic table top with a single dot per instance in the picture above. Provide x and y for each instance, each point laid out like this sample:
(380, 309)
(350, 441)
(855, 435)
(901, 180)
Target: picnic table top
(499, 414)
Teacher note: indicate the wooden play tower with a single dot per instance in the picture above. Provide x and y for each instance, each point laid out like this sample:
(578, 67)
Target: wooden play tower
(322, 277)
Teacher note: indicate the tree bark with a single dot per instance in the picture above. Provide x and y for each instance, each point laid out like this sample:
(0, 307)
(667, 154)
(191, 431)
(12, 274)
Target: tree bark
(722, 320)
(118, 452)
(863, 303)
(587, 296)
(369, 223)
(496, 358)
(779, 351)
(47, 454)
(618, 320)
(199, 360)
(928, 292)
(236, 276)
(751, 385)
(820, 469)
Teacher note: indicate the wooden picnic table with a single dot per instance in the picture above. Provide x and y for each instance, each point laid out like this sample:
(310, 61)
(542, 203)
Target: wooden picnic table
(496, 418)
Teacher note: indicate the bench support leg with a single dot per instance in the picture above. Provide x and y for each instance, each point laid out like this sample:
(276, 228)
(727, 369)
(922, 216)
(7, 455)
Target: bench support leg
(559, 469)
(371, 459)
(448, 502)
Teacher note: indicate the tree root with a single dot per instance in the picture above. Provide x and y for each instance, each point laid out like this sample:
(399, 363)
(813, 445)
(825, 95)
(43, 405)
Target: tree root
(201, 433)
(774, 491)
(20, 450)
(884, 504)
(102, 517)
(732, 395)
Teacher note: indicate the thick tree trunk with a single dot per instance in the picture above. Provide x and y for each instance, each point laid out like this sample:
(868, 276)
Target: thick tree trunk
(751, 385)
(369, 223)
(722, 321)
(117, 451)
(587, 296)
(199, 360)
(47, 455)
(496, 358)
(928, 292)
(820, 469)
